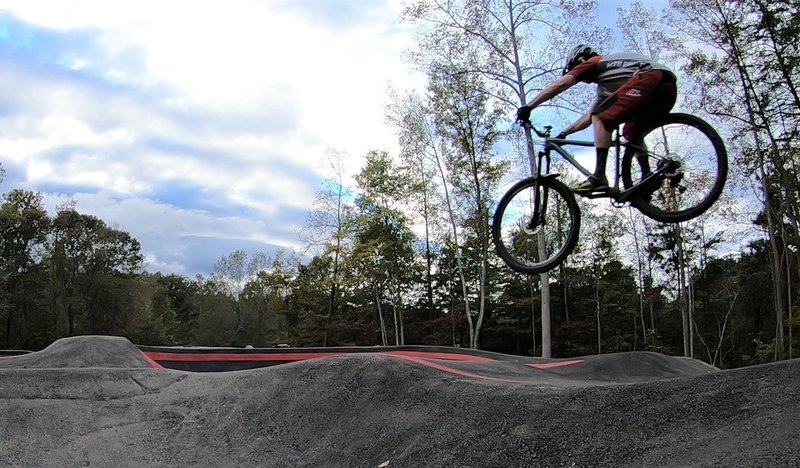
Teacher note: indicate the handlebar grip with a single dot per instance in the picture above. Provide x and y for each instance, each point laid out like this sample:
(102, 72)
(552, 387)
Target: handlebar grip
(542, 134)
(526, 122)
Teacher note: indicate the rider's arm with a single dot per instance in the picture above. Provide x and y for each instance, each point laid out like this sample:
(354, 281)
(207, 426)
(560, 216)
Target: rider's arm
(583, 122)
(552, 90)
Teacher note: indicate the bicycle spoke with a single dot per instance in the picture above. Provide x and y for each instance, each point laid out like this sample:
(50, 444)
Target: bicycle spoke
(692, 164)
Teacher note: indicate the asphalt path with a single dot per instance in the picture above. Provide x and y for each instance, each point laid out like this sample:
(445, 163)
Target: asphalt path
(99, 401)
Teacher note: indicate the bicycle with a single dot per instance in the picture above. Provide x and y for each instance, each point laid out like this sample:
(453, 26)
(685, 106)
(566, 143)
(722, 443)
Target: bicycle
(536, 223)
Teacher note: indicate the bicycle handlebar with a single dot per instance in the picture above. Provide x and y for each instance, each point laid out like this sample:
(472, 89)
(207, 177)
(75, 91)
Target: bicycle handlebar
(541, 133)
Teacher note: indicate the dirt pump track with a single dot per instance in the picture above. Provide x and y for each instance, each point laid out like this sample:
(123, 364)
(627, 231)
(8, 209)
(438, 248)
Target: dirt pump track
(102, 401)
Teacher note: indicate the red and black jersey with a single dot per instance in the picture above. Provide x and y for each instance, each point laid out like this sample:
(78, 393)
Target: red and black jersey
(613, 70)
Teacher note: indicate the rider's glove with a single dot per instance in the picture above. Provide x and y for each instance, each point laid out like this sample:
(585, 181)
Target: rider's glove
(524, 114)
(561, 136)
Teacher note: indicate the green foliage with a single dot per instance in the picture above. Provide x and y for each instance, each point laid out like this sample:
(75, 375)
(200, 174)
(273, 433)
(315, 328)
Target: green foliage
(74, 273)
(765, 352)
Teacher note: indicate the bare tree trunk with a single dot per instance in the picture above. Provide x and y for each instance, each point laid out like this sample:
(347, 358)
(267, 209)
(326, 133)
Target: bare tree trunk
(384, 340)
(533, 319)
(428, 257)
(691, 304)
(483, 232)
(547, 350)
(482, 307)
(564, 291)
(332, 297)
(402, 328)
(459, 263)
(682, 292)
(640, 274)
(597, 313)
(399, 332)
(452, 321)
(776, 257)
(396, 324)
(8, 327)
(787, 262)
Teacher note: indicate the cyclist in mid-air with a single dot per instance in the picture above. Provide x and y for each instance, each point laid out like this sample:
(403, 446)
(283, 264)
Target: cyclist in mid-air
(631, 89)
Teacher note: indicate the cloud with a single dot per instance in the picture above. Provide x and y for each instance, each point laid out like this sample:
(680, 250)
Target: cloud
(183, 120)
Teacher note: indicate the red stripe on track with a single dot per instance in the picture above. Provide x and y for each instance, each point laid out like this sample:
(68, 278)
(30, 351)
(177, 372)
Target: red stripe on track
(450, 370)
(417, 357)
(550, 365)
(152, 362)
(236, 357)
(442, 356)
(283, 357)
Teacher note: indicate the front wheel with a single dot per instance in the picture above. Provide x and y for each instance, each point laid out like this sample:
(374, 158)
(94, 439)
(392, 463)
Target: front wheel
(534, 241)
(691, 162)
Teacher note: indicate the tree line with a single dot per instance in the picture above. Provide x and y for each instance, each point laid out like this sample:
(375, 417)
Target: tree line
(401, 252)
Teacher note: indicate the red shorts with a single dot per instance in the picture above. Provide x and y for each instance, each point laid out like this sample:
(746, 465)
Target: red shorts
(639, 102)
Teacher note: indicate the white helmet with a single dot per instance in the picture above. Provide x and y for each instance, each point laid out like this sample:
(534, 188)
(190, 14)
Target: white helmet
(581, 51)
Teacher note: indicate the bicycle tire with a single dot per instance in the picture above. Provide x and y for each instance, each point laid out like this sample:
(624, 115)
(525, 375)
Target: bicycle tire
(701, 176)
(518, 246)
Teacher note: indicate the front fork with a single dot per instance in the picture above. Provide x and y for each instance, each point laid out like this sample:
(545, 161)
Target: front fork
(540, 193)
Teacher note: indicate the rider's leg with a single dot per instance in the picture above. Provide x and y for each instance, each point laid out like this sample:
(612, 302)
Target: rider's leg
(631, 133)
(627, 102)
(602, 141)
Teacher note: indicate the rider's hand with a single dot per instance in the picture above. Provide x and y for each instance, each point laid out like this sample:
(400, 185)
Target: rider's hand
(561, 136)
(524, 114)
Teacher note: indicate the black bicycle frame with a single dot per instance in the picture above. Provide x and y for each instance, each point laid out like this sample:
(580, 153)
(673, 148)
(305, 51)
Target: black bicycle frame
(550, 144)
(615, 193)
(555, 144)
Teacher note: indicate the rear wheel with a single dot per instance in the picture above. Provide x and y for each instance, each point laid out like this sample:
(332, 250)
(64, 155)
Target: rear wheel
(529, 245)
(694, 165)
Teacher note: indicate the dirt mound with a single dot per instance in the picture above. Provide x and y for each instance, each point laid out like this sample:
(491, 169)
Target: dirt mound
(82, 351)
(589, 370)
(636, 366)
(363, 410)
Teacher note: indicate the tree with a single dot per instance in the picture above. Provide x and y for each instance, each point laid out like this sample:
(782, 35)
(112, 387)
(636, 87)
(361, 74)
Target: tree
(383, 247)
(749, 51)
(327, 227)
(180, 297)
(23, 228)
(268, 292)
(420, 152)
(310, 300)
(500, 42)
(602, 252)
(230, 274)
(464, 117)
(83, 253)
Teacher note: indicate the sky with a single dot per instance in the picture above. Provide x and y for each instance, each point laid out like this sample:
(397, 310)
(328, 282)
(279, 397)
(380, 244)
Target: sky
(197, 126)
(200, 127)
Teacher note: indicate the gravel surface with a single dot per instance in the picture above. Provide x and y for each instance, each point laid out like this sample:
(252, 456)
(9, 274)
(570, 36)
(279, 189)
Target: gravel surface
(95, 401)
